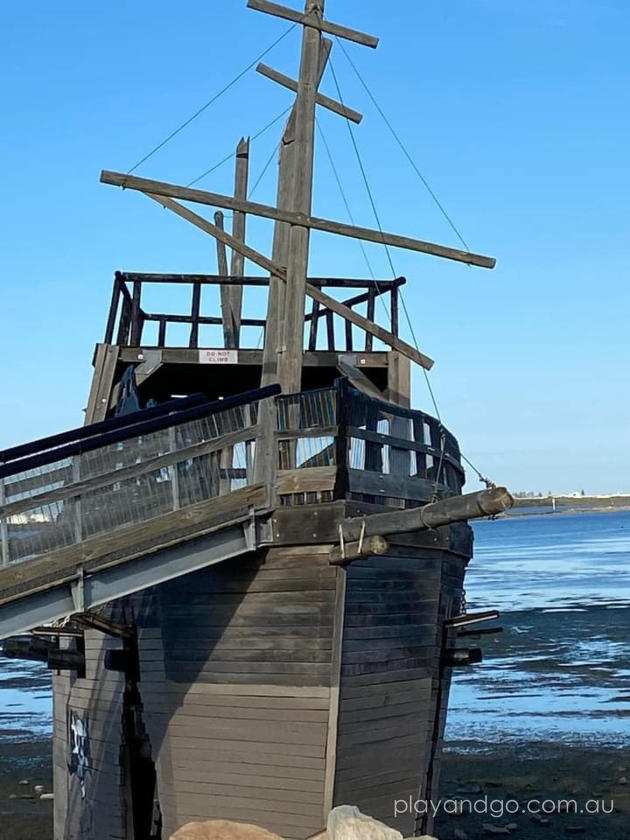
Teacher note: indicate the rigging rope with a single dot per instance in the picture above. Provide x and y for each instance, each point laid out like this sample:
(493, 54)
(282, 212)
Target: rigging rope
(223, 90)
(355, 146)
(404, 149)
(233, 154)
(343, 196)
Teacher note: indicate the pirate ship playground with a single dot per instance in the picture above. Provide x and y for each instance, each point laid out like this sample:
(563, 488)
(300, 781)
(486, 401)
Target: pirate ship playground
(246, 569)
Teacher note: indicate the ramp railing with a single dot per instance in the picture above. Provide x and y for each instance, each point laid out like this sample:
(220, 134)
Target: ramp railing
(77, 486)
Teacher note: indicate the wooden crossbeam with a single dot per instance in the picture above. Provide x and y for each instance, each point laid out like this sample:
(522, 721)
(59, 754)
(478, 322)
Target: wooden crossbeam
(324, 25)
(380, 286)
(147, 185)
(324, 101)
(278, 271)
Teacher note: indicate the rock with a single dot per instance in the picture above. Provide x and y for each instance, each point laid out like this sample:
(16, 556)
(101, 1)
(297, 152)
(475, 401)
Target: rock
(346, 822)
(540, 820)
(23, 782)
(47, 796)
(221, 830)
(39, 788)
(623, 781)
(495, 830)
(512, 826)
(13, 796)
(622, 769)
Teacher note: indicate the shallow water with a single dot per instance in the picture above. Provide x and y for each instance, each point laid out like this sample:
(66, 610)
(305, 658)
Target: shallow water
(560, 668)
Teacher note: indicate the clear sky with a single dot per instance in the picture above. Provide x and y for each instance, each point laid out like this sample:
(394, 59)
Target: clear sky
(516, 112)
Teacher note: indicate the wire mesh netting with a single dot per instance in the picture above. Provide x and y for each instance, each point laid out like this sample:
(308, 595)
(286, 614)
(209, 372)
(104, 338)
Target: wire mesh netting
(125, 483)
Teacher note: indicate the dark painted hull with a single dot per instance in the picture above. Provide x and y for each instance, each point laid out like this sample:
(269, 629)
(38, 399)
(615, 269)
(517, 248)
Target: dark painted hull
(270, 688)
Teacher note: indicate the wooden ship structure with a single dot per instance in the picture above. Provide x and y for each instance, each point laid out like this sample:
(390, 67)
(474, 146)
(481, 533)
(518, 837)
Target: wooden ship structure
(246, 569)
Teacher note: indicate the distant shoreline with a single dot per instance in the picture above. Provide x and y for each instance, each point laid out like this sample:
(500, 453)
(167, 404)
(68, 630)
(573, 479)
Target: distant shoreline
(570, 504)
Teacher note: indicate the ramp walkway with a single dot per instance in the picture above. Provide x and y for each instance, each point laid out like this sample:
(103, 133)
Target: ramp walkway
(109, 509)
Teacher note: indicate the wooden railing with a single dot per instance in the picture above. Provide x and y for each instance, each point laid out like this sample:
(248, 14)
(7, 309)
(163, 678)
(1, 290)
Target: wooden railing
(339, 443)
(333, 443)
(129, 316)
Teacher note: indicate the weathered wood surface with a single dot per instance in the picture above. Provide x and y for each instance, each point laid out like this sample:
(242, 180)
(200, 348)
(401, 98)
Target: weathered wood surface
(300, 202)
(296, 218)
(320, 359)
(232, 296)
(251, 280)
(445, 512)
(324, 101)
(324, 25)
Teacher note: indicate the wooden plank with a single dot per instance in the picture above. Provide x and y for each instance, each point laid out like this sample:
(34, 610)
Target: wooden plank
(251, 280)
(390, 486)
(262, 690)
(293, 217)
(324, 25)
(102, 383)
(306, 480)
(324, 101)
(335, 682)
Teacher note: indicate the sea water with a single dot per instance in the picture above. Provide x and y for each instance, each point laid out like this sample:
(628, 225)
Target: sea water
(560, 668)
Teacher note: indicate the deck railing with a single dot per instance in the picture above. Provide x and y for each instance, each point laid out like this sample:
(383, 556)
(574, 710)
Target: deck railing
(131, 323)
(340, 443)
(333, 443)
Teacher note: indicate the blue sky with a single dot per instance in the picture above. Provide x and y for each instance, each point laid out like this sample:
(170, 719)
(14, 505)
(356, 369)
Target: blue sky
(517, 114)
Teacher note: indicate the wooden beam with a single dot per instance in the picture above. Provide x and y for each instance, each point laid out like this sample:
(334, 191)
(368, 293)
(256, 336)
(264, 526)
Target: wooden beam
(234, 294)
(278, 271)
(320, 98)
(147, 185)
(222, 265)
(221, 235)
(446, 511)
(370, 327)
(381, 286)
(324, 25)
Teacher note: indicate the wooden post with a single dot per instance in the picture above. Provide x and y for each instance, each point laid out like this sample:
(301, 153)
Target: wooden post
(194, 314)
(290, 360)
(4, 528)
(232, 296)
(136, 323)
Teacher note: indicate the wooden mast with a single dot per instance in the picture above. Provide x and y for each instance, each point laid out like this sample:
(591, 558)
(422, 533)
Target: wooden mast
(290, 357)
(275, 303)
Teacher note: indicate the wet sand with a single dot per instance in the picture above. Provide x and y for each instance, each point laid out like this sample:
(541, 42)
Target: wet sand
(537, 771)
(23, 816)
